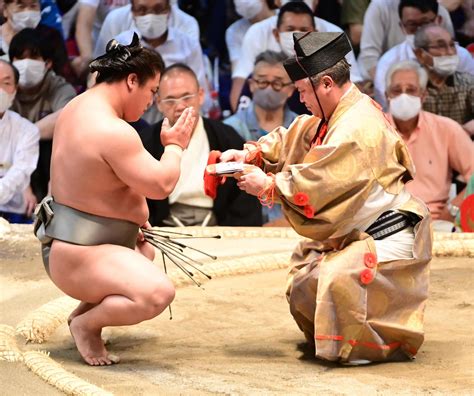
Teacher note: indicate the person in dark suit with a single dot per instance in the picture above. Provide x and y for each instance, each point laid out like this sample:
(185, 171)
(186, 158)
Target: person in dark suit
(188, 204)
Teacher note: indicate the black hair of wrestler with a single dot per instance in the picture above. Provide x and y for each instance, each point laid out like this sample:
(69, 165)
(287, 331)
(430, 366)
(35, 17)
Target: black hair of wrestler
(119, 61)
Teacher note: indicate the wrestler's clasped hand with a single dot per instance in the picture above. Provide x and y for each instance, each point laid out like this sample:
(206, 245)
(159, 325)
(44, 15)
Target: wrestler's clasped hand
(180, 133)
(253, 180)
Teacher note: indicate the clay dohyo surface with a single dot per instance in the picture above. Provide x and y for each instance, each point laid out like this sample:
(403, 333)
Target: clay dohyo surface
(237, 337)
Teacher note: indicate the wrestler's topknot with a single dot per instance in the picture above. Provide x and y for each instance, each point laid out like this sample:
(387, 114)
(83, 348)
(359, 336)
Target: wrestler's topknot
(121, 60)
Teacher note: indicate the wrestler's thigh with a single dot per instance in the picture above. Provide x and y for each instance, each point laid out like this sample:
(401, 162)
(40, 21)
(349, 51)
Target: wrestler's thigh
(90, 273)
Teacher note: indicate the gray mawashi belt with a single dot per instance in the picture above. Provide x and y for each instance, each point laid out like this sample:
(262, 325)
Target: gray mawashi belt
(56, 221)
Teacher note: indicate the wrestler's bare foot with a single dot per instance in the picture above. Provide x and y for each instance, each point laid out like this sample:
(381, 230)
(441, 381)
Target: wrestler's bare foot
(90, 344)
(80, 309)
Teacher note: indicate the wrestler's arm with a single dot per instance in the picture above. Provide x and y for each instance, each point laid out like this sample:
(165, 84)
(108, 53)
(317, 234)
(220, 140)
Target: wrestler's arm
(137, 168)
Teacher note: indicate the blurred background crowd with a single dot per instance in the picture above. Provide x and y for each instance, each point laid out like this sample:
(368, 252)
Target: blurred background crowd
(225, 58)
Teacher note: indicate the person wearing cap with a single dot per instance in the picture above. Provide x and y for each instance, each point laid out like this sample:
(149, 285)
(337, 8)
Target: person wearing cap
(358, 283)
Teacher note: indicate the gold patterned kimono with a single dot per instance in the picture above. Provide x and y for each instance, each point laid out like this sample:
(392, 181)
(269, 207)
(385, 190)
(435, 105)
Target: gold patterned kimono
(351, 306)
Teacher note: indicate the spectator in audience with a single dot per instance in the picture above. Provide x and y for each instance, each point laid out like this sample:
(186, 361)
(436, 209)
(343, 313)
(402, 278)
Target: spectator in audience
(405, 50)
(18, 15)
(90, 16)
(352, 18)
(271, 87)
(146, 15)
(21, 14)
(438, 145)
(18, 151)
(450, 93)
(40, 97)
(188, 204)
(383, 30)
(276, 34)
(251, 11)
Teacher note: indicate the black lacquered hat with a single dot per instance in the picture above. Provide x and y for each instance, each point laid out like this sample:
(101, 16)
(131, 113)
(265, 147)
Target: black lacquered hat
(316, 52)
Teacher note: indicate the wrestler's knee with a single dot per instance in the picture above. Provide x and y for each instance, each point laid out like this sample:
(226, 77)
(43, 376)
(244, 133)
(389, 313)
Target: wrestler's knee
(157, 298)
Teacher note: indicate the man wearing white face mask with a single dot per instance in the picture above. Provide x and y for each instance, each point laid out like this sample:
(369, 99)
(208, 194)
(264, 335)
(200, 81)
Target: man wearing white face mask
(251, 11)
(18, 150)
(19, 15)
(438, 145)
(382, 30)
(41, 96)
(275, 33)
(123, 19)
(450, 92)
(26, 14)
(414, 15)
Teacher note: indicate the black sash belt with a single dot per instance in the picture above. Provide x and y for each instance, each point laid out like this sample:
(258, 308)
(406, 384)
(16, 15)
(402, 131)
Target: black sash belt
(390, 223)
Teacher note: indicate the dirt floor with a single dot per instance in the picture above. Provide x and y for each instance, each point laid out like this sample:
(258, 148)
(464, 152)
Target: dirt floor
(237, 337)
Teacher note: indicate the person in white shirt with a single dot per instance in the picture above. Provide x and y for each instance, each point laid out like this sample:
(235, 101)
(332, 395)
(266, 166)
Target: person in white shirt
(251, 11)
(276, 34)
(124, 18)
(19, 149)
(90, 16)
(383, 30)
